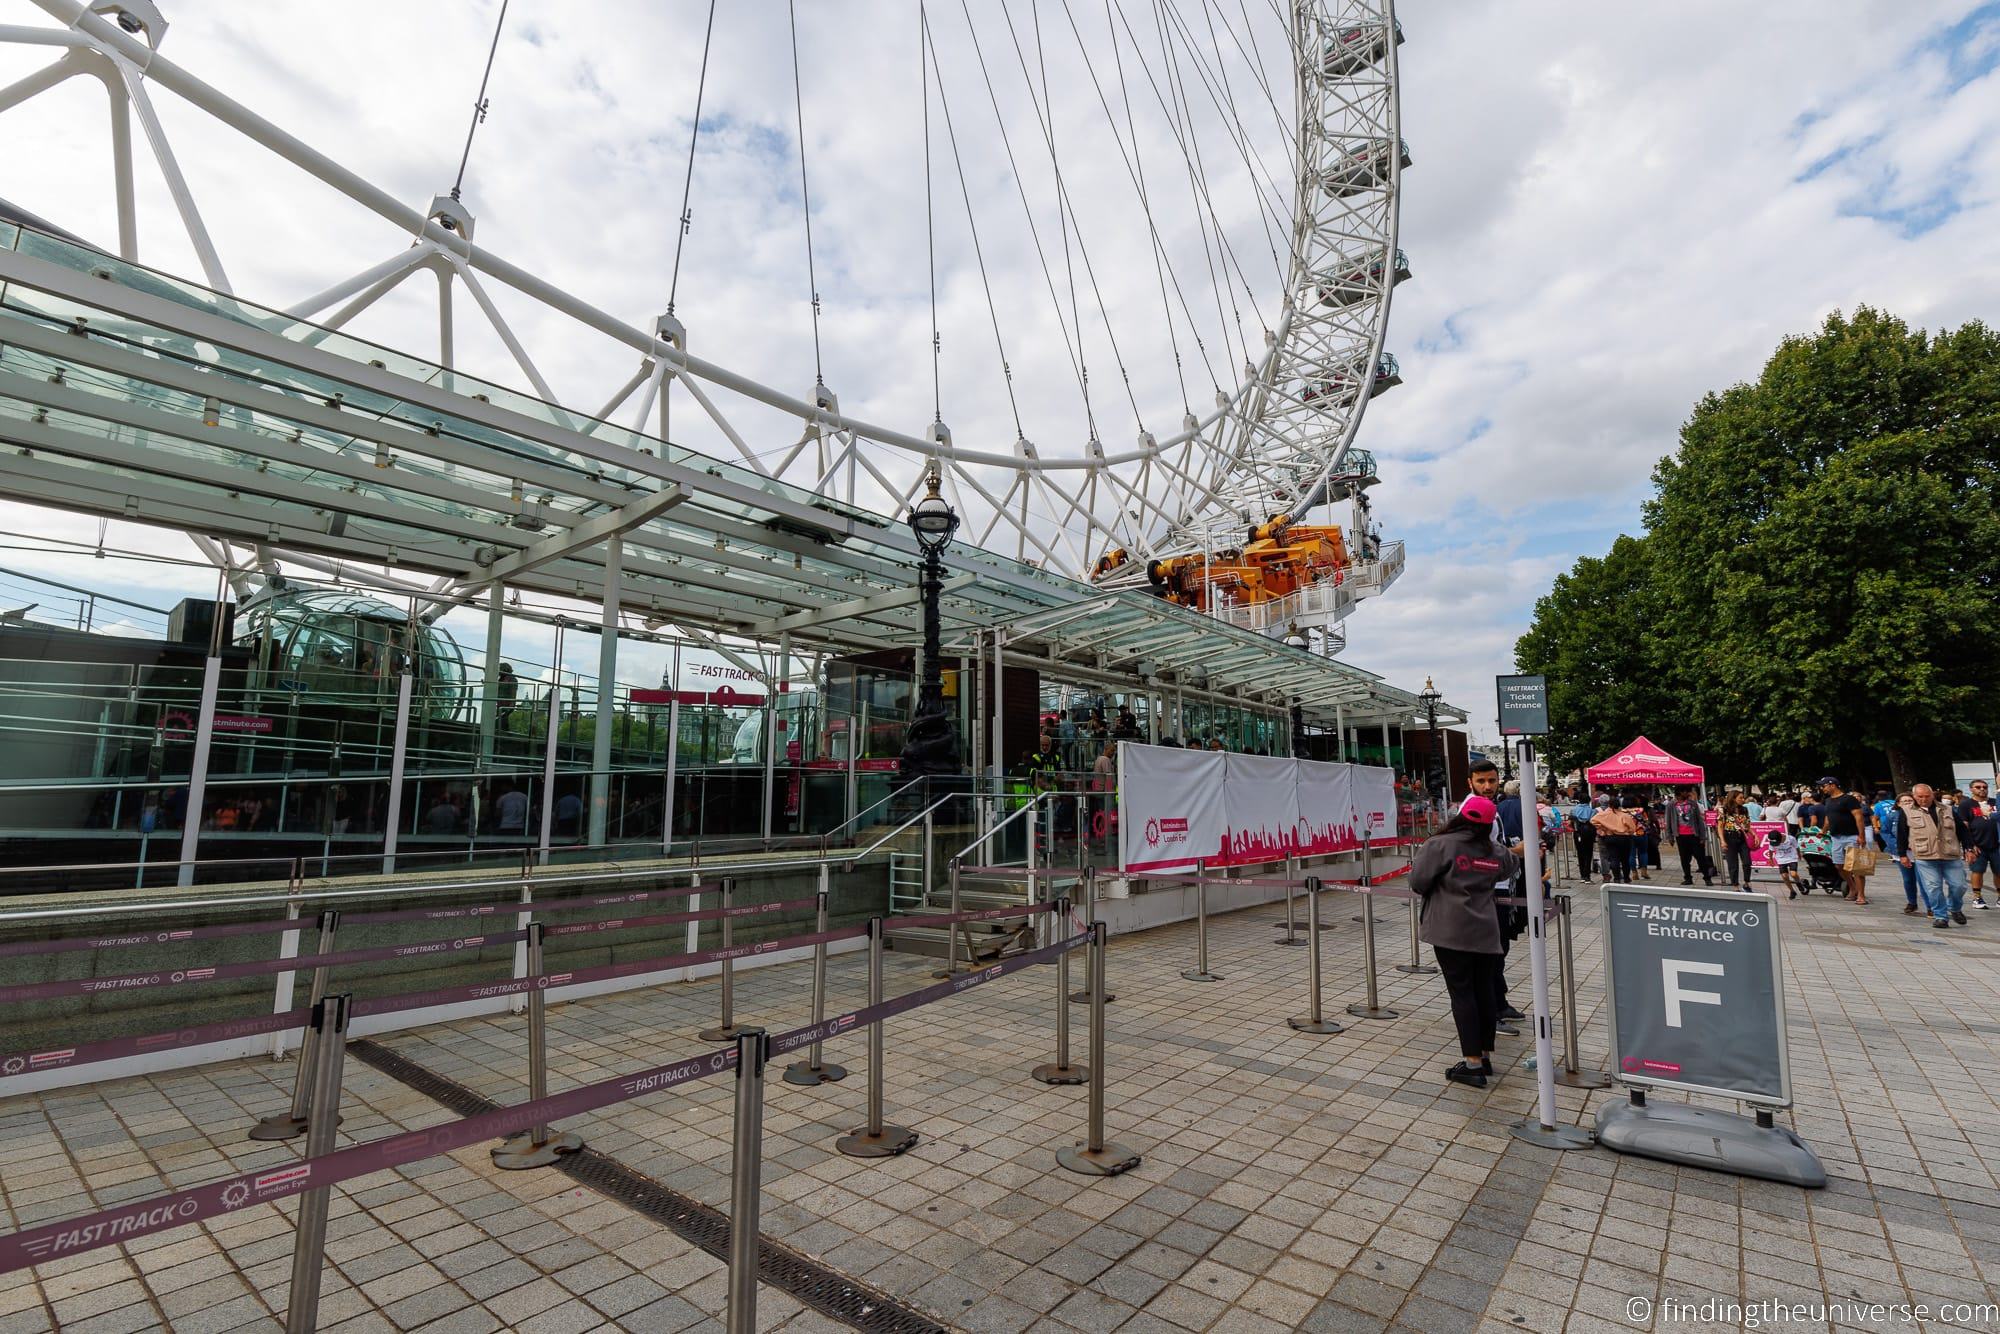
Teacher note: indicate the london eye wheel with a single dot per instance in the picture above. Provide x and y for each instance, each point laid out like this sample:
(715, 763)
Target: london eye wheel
(1181, 214)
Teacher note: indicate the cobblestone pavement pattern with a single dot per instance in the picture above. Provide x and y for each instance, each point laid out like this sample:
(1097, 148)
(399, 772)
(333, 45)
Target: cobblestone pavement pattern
(1290, 1181)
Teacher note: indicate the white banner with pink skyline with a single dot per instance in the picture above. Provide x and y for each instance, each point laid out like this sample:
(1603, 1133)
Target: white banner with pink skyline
(1176, 807)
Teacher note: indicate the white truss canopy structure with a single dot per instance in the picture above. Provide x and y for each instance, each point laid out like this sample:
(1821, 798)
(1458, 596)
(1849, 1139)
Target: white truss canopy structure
(1266, 444)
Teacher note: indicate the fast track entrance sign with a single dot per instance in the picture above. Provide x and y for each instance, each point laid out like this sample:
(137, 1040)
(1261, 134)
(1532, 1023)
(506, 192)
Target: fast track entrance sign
(1695, 978)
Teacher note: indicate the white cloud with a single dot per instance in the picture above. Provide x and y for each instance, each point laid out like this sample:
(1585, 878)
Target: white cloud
(1613, 209)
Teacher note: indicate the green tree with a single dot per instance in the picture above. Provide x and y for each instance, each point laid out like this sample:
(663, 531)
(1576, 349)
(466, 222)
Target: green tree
(1822, 561)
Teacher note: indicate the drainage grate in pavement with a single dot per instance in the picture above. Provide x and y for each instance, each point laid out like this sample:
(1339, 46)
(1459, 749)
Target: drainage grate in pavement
(825, 1290)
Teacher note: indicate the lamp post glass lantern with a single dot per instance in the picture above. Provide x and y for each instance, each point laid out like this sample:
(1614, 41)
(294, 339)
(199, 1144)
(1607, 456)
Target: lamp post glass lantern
(930, 745)
(1434, 776)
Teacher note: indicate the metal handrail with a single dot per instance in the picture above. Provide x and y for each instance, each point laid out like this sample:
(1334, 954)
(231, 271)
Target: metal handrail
(303, 896)
(920, 778)
(1033, 802)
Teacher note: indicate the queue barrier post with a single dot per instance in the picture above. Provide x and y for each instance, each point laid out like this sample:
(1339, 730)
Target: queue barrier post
(1060, 1071)
(1314, 1019)
(812, 1070)
(328, 1040)
(875, 1140)
(1373, 1007)
(295, 1120)
(753, 1052)
(950, 969)
(1572, 1075)
(1291, 917)
(1416, 963)
(1200, 973)
(537, 1146)
(727, 1030)
(1090, 915)
(1093, 1155)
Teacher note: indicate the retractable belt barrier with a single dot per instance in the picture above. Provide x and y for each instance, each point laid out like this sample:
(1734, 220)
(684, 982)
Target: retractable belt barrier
(250, 968)
(111, 1049)
(129, 1222)
(273, 926)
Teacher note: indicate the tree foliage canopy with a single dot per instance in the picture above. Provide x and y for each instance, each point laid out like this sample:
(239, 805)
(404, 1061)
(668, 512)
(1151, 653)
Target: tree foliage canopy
(1819, 583)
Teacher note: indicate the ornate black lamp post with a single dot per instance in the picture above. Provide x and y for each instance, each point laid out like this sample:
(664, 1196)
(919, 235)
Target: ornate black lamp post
(1434, 775)
(1296, 638)
(930, 746)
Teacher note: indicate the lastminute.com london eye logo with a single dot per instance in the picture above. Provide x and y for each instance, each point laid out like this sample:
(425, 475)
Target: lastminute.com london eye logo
(1152, 833)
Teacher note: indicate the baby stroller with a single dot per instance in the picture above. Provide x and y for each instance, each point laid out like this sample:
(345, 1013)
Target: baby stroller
(1816, 855)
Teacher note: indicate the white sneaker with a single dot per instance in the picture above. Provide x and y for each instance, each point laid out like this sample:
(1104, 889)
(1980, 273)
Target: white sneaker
(1979, 903)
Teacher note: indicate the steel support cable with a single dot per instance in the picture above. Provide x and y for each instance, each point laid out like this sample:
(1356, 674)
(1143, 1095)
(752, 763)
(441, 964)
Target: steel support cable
(1243, 146)
(1295, 149)
(930, 225)
(1285, 22)
(1232, 120)
(965, 191)
(1046, 117)
(1146, 206)
(694, 137)
(479, 105)
(805, 191)
(1020, 189)
(1047, 127)
(1196, 187)
(1112, 120)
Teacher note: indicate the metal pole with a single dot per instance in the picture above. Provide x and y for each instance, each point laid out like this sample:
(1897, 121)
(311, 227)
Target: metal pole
(727, 1030)
(1416, 963)
(875, 1140)
(1542, 1129)
(1200, 973)
(549, 748)
(1291, 918)
(812, 1070)
(753, 1052)
(951, 933)
(392, 822)
(601, 796)
(535, 1147)
(1093, 1156)
(329, 1027)
(294, 1121)
(1315, 1020)
(1060, 1071)
(204, 736)
(1373, 1009)
(1090, 915)
(1572, 1075)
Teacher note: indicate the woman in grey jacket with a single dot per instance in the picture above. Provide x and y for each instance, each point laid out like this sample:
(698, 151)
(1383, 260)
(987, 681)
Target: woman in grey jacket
(1454, 872)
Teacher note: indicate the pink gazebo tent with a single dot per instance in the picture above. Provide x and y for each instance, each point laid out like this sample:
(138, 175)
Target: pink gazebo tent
(1643, 762)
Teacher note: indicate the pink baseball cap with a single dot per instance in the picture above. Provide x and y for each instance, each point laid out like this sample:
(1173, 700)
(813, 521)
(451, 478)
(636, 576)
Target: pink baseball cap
(1478, 810)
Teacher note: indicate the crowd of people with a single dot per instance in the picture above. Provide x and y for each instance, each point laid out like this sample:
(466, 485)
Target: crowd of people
(1944, 843)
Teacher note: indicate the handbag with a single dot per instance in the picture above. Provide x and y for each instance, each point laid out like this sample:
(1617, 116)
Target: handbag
(1859, 860)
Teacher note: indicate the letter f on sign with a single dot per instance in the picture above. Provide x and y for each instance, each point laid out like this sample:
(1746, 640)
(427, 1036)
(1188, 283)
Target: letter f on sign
(1670, 975)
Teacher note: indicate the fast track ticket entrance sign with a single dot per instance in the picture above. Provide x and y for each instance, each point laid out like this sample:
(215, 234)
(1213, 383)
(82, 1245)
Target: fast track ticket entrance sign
(1696, 983)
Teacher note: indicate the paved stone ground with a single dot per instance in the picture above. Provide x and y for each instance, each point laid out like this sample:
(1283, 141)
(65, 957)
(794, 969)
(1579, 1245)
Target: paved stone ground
(1290, 1182)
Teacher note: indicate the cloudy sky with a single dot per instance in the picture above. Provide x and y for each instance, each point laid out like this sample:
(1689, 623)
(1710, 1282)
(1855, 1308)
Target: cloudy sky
(1613, 209)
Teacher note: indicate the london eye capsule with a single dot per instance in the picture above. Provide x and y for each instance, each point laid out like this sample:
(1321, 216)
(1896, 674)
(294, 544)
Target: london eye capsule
(337, 648)
(1363, 164)
(1354, 48)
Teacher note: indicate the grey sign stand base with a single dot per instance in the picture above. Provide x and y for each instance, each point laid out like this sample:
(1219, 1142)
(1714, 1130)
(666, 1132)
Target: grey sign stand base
(1679, 1132)
(1557, 1137)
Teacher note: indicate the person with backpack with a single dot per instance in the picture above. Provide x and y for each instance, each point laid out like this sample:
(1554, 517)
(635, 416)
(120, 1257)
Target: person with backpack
(1684, 818)
(1454, 874)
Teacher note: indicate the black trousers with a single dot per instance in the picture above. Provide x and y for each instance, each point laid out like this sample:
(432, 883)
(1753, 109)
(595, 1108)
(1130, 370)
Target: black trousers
(1468, 977)
(1736, 853)
(1617, 856)
(1586, 850)
(1694, 852)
